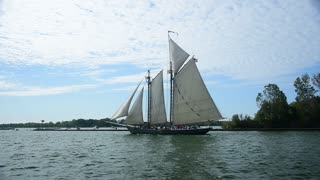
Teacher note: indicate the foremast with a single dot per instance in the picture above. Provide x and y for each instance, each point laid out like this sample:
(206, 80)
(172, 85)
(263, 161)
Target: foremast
(156, 104)
(148, 80)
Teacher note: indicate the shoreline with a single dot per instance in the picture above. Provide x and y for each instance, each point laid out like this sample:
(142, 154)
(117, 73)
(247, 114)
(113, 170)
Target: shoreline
(268, 129)
(242, 129)
(114, 129)
(125, 129)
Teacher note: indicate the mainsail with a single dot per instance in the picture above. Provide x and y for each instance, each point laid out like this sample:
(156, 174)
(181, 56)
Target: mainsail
(124, 108)
(192, 101)
(177, 55)
(135, 115)
(158, 112)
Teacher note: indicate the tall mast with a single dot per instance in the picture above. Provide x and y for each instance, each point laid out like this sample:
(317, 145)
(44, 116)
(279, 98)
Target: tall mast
(171, 94)
(171, 83)
(148, 79)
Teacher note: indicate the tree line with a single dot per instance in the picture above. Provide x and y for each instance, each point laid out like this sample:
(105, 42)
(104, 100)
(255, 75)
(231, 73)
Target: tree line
(275, 112)
(67, 124)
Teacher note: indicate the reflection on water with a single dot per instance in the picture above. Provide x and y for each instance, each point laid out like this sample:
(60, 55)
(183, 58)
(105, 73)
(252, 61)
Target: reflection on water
(189, 157)
(120, 155)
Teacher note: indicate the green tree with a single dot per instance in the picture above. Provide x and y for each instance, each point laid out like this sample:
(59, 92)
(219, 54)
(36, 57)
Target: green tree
(240, 121)
(236, 120)
(307, 106)
(316, 81)
(274, 108)
(304, 89)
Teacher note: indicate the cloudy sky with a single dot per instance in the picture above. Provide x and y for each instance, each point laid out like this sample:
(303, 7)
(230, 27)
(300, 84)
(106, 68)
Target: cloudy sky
(63, 60)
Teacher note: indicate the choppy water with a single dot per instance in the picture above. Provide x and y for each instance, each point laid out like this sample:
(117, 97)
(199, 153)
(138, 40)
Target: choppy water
(119, 155)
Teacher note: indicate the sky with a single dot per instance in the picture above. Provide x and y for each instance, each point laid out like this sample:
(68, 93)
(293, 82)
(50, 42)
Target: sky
(63, 60)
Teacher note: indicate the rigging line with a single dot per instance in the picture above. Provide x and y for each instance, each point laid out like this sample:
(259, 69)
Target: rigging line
(187, 103)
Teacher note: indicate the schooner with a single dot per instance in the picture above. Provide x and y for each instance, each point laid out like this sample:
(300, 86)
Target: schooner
(190, 100)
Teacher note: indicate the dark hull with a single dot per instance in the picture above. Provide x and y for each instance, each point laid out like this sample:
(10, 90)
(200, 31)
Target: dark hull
(137, 130)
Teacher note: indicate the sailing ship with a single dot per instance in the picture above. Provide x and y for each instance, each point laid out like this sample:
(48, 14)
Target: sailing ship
(190, 100)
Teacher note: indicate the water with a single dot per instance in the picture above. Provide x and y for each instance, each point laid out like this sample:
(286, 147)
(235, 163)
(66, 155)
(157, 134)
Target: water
(120, 155)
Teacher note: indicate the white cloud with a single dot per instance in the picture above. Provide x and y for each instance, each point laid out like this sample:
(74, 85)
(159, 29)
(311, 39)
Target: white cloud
(127, 88)
(241, 39)
(134, 78)
(41, 91)
(7, 85)
(93, 73)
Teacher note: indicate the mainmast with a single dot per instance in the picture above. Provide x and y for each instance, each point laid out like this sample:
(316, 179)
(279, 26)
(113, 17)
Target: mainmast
(171, 93)
(148, 79)
(170, 71)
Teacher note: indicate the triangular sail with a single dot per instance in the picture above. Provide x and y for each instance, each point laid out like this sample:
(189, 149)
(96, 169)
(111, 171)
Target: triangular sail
(192, 101)
(158, 112)
(177, 55)
(135, 115)
(124, 108)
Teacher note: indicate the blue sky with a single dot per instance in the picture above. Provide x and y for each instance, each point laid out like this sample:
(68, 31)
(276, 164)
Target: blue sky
(63, 60)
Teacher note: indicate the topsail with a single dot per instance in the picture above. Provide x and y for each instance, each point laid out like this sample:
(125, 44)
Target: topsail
(177, 55)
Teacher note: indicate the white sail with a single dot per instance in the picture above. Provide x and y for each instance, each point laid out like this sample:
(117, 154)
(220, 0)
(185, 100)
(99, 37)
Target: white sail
(124, 108)
(135, 115)
(177, 55)
(158, 112)
(192, 101)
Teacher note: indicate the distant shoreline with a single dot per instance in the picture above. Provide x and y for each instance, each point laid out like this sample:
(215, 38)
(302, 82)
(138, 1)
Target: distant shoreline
(235, 129)
(268, 129)
(114, 129)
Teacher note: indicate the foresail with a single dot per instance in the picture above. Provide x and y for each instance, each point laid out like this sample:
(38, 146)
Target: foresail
(124, 108)
(192, 101)
(177, 55)
(135, 115)
(158, 112)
